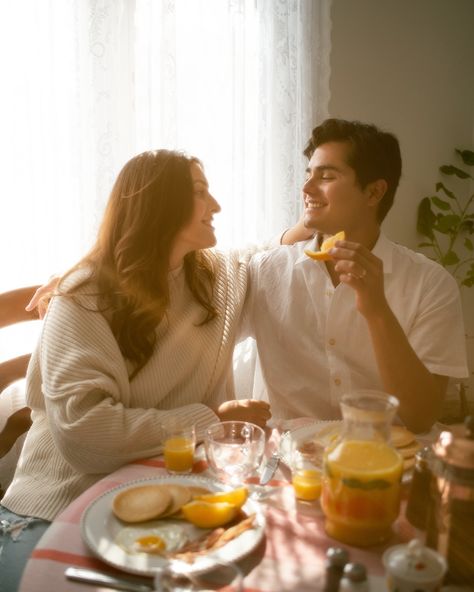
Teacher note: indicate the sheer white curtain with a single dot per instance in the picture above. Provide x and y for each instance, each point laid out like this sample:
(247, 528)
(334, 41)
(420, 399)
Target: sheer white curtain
(89, 83)
(86, 84)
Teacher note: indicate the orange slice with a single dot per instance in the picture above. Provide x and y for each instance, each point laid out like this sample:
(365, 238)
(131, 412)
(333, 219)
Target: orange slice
(236, 497)
(209, 515)
(328, 244)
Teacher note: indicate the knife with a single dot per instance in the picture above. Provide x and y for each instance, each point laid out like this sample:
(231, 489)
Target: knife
(269, 468)
(92, 576)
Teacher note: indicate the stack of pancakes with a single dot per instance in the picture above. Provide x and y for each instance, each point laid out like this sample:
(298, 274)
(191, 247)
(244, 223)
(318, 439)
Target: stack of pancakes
(406, 444)
(149, 502)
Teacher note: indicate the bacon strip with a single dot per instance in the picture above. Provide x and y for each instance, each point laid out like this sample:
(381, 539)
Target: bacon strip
(213, 540)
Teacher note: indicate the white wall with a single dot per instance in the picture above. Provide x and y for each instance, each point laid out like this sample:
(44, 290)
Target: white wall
(408, 66)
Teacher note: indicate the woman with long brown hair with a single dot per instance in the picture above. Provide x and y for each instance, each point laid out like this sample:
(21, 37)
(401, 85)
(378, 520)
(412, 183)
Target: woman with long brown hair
(142, 328)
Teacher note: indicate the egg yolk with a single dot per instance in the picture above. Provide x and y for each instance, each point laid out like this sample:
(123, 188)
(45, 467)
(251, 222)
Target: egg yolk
(150, 544)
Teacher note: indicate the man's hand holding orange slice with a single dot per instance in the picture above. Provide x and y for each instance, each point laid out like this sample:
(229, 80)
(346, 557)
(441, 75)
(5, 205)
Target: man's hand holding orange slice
(327, 245)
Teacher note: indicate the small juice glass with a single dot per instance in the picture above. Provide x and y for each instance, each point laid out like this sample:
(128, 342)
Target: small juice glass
(305, 476)
(179, 443)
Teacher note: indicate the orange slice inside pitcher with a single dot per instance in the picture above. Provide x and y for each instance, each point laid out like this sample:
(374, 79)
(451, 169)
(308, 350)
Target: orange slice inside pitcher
(327, 245)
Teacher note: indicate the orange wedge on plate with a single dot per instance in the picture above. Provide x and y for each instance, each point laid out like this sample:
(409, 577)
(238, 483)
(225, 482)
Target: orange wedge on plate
(327, 245)
(209, 515)
(237, 497)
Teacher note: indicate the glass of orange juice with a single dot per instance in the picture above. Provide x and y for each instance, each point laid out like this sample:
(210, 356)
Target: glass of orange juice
(305, 476)
(179, 442)
(362, 472)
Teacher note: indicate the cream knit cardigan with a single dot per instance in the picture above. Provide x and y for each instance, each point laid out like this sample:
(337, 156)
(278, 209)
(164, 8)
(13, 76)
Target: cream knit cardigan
(89, 419)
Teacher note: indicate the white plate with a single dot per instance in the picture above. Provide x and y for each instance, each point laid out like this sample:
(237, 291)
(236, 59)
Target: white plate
(99, 528)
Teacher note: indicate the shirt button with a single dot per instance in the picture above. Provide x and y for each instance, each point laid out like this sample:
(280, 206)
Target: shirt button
(332, 341)
(337, 381)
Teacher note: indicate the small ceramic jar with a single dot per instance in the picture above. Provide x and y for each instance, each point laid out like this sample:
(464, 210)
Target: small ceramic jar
(414, 568)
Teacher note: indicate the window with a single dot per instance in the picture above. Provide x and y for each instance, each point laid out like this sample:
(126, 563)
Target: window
(89, 83)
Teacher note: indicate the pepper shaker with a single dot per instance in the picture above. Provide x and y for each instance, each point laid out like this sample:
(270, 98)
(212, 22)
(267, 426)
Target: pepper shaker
(336, 559)
(354, 578)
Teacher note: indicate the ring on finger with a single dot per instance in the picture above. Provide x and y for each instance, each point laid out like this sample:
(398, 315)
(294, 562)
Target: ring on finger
(356, 276)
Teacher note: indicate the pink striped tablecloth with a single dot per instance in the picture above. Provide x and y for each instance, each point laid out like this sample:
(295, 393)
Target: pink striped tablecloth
(290, 557)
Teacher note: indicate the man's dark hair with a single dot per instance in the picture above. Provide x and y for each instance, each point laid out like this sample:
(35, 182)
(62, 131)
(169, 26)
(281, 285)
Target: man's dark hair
(374, 154)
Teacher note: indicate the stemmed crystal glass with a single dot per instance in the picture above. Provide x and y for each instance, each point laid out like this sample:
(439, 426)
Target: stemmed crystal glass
(226, 574)
(234, 450)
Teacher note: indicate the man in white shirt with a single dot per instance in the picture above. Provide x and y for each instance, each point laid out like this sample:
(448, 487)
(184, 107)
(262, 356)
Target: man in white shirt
(376, 315)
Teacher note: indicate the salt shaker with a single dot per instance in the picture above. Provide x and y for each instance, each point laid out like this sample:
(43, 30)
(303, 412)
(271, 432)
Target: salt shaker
(354, 578)
(336, 559)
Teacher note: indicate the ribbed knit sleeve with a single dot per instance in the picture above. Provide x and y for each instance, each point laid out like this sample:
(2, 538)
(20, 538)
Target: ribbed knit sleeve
(89, 418)
(87, 394)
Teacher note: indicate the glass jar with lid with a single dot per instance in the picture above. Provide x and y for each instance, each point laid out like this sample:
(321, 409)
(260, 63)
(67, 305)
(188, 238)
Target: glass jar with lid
(450, 529)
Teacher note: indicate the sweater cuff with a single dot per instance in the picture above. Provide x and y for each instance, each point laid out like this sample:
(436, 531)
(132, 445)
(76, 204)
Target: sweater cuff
(202, 417)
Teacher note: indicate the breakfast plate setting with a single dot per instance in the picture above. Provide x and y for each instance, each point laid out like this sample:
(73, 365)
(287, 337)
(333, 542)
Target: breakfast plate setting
(143, 527)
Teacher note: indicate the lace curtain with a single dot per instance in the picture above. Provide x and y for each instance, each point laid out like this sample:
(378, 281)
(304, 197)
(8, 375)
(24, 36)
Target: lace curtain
(89, 83)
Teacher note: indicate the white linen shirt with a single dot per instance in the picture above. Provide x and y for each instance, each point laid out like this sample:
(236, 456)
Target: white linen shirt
(313, 344)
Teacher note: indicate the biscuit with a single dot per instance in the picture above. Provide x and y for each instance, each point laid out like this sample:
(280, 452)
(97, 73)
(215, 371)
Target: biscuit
(408, 463)
(141, 503)
(401, 436)
(195, 490)
(410, 450)
(180, 495)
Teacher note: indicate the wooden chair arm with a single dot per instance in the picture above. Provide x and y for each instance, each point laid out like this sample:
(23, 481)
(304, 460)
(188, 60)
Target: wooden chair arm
(12, 370)
(17, 424)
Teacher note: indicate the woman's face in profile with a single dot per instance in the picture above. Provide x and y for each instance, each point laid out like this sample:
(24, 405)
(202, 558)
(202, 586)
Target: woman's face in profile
(198, 233)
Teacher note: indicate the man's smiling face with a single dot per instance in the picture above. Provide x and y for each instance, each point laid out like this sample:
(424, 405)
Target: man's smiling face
(332, 196)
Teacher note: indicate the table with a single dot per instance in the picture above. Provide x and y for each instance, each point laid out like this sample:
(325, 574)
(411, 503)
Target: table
(290, 557)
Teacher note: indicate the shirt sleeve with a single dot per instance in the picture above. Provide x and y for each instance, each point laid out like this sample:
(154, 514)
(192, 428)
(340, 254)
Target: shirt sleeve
(246, 325)
(87, 397)
(437, 334)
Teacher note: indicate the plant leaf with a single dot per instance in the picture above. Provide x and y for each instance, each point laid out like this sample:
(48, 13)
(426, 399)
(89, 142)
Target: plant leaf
(467, 226)
(468, 244)
(467, 156)
(440, 203)
(425, 218)
(449, 169)
(447, 223)
(442, 187)
(450, 258)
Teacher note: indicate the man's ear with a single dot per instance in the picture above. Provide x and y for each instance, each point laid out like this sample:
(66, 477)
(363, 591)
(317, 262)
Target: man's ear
(376, 190)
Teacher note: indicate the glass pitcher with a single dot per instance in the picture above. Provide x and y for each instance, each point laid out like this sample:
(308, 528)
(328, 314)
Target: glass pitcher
(362, 471)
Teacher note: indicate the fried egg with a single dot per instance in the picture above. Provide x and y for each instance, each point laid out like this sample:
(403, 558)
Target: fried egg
(155, 538)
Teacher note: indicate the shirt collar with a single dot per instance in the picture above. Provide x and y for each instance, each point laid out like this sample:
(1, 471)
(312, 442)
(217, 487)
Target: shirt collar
(312, 245)
(382, 249)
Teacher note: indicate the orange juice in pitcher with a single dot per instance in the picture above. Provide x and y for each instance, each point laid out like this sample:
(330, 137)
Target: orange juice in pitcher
(362, 472)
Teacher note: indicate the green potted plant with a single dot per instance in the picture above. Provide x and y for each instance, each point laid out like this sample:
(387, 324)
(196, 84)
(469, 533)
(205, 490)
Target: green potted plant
(446, 221)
